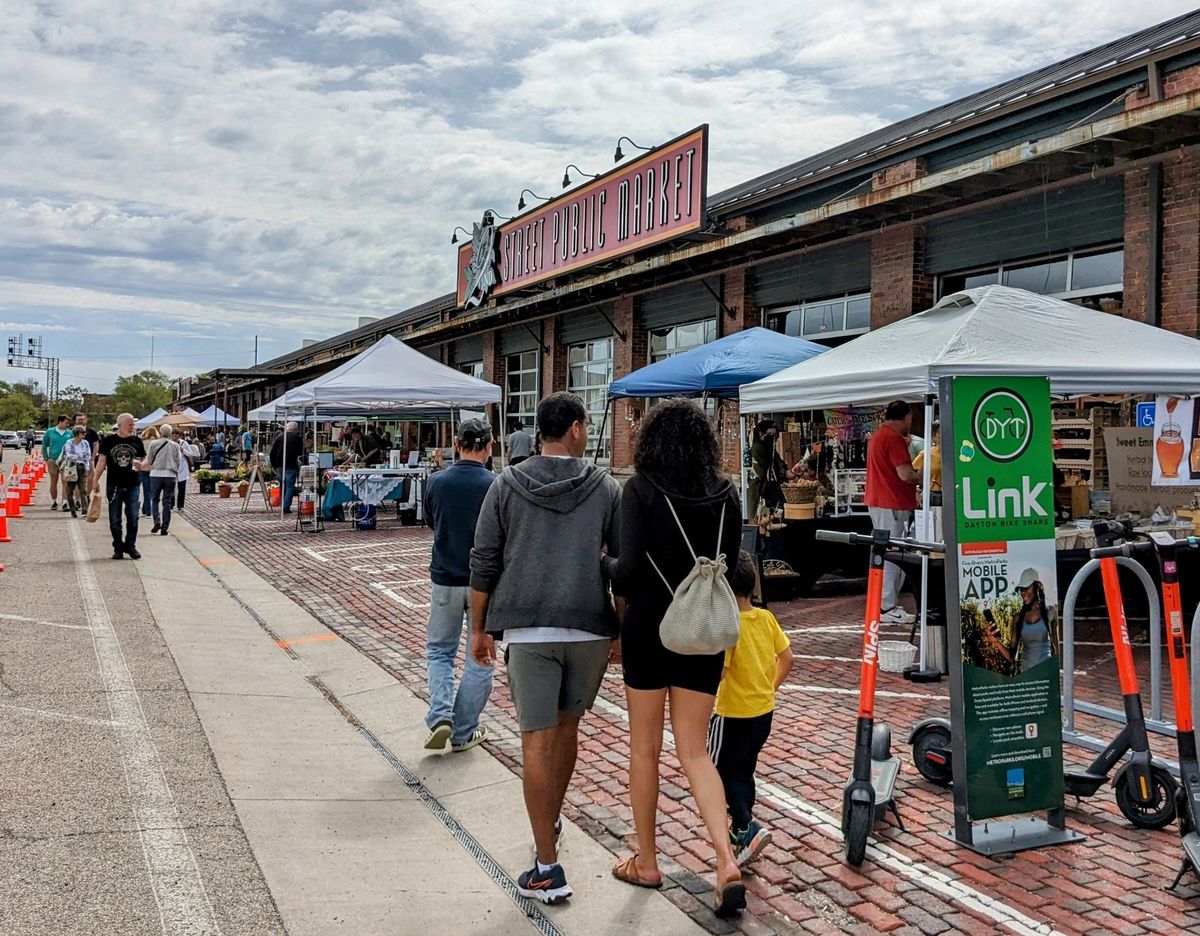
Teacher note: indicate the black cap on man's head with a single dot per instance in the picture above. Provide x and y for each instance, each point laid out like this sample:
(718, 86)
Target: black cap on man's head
(474, 433)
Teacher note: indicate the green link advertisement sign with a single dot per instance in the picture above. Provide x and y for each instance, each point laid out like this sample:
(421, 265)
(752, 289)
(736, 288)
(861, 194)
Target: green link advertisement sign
(1004, 521)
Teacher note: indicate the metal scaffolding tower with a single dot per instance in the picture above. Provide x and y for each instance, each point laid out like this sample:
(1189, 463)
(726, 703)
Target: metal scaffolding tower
(27, 352)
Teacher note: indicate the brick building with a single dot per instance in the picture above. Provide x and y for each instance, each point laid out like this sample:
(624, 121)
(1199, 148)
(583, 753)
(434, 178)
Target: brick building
(1080, 180)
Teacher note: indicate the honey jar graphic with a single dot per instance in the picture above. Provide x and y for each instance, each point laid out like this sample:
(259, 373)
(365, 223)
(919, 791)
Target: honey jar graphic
(1168, 447)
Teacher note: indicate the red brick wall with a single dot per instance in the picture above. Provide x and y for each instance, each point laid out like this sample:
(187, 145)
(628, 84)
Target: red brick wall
(735, 294)
(554, 364)
(628, 356)
(899, 284)
(1137, 246)
(1176, 82)
(1181, 245)
(901, 172)
(493, 370)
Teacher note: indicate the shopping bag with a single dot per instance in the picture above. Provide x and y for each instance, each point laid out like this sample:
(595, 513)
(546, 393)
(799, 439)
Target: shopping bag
(93, 513)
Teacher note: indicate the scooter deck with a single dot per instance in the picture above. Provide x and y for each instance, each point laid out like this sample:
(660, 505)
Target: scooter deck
(1191, 858)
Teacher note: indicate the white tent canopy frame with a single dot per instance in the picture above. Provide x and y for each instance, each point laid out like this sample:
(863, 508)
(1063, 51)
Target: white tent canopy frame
(990, 330)
(387, 378)
(150, 419)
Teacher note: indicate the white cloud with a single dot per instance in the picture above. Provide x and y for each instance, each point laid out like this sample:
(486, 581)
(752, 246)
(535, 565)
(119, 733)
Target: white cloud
(231, 168)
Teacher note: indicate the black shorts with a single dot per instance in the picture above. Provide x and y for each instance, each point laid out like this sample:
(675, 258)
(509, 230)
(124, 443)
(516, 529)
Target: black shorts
(649, 665)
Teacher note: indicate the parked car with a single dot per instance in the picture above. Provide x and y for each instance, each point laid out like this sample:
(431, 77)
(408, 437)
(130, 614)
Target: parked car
(11, 439)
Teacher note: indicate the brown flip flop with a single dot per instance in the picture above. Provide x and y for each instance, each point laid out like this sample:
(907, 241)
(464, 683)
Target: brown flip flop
(731, 898)
(627, 871)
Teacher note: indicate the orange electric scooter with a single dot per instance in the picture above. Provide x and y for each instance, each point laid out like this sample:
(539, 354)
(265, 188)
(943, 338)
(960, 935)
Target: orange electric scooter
(869, 794)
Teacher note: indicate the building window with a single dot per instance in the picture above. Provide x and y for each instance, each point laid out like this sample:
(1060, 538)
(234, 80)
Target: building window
(824, 318)
(590, 373)
(472, 369)
(668, 342)
(524, 383)
(1081, 276)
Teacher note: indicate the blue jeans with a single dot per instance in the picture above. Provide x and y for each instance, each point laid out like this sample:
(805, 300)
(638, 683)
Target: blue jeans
(126, 500)
(291, 477)
(444, 634)
(144, 478)
(162, 490)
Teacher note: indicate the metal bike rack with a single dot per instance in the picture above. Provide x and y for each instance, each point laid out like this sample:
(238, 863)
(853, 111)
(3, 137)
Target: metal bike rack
(1155, 722)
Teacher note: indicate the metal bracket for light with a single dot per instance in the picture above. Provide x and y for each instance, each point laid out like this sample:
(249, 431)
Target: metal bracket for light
(567, 174)
(731, 312)
(536, 337)
(532, 194)
(618, 155)
(454, 234)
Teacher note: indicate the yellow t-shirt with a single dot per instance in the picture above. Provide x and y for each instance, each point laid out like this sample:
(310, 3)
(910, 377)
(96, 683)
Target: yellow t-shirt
(748, 689)
(935, 466)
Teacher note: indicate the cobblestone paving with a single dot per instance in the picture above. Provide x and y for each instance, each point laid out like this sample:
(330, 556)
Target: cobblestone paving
(372, 588)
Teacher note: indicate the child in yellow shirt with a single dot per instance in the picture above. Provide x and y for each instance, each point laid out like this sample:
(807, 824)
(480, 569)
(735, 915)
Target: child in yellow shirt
(754, 668)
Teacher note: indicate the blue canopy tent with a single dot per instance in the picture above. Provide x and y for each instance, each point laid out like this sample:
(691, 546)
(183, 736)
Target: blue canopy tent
(718, 368)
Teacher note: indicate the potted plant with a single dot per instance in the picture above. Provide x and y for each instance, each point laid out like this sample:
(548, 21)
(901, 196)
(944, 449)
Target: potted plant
(243, 487)
(207, 479)
(224, 488)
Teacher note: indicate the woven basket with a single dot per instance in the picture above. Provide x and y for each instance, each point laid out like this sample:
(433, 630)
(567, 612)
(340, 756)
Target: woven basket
(896, 655)
(799, 492)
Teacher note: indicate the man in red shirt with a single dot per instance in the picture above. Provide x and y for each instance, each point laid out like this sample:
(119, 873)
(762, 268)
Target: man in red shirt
(892, 495)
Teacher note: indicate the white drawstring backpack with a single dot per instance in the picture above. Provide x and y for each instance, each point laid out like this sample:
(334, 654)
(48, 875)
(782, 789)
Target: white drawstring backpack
(703, 617)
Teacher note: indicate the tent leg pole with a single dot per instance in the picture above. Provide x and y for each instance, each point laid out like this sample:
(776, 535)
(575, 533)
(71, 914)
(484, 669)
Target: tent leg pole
(600, 438)
(282, 467)
(742, 463)
(927, 533)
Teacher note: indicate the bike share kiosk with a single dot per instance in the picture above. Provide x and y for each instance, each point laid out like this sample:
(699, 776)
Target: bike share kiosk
(1006, 720)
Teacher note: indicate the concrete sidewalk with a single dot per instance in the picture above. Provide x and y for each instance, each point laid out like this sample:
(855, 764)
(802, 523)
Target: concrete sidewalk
(304, 753)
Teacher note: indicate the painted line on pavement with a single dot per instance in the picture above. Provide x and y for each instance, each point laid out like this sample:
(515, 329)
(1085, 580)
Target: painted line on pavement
(319, 553)
(829, 659)
(885, 693)
(63, 716)
(924, 876)
(845, 629)
(183, 903)
(284, 644)
(386, 589)
(218, 560)
(18, 619)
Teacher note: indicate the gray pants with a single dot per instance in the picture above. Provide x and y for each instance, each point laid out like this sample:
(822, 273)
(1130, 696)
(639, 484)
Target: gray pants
(894, 521)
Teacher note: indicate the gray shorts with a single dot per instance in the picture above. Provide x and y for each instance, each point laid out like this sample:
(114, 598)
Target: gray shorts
(548, 678)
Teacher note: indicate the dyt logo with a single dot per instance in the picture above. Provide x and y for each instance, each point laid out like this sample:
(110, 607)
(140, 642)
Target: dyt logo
(1002, 425)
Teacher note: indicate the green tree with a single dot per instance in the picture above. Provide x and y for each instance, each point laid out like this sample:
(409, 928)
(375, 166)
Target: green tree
(18, 411)
(70, 399)
(142, 393)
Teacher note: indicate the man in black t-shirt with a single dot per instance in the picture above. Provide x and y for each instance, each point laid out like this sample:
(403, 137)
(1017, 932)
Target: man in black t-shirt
(121, 455)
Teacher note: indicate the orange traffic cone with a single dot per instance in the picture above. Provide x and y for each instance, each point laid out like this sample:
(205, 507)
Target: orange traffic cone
(4, 537)
(25, 491)
(13, 499)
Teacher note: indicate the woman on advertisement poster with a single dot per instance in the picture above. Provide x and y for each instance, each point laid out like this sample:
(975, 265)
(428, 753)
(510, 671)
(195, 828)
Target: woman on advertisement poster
(1032, 629)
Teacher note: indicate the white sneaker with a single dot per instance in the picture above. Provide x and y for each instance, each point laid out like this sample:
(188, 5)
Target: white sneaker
(479, 736)
(897, 615)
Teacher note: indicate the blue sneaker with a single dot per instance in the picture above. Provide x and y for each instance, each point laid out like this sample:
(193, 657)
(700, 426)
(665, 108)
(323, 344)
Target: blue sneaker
(749, 843)
(550, 887)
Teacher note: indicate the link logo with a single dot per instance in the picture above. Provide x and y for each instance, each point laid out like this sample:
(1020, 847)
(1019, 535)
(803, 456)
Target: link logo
(1002, 425)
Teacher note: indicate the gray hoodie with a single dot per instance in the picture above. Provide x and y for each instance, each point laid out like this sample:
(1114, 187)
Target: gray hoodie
(538, 542)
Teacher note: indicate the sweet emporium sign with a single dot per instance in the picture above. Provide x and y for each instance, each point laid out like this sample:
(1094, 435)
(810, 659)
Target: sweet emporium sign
(656, 197)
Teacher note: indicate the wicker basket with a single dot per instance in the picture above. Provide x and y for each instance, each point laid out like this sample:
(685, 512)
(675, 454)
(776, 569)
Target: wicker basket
(896, 655)
(800, 492)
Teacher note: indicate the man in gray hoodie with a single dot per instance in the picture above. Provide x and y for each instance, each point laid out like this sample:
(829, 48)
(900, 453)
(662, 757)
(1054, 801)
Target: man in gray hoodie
(536, 583)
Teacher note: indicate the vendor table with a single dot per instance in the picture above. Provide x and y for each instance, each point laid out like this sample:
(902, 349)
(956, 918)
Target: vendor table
(796, 546)
(373, 486)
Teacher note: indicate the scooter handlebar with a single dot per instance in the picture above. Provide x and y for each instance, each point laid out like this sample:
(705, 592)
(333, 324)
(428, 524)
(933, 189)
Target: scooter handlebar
(863, 539)
(1125, 549)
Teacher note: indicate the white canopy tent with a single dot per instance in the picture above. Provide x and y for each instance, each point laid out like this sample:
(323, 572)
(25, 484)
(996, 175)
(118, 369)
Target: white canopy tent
(388, 378)
(150, 419)
(214, 417)
(990, 330)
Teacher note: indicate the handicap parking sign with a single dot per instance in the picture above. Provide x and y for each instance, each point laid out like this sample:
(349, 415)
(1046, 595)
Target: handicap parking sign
(1145, 415)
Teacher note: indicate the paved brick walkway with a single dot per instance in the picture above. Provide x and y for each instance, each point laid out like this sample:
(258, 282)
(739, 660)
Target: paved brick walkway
(372, 588)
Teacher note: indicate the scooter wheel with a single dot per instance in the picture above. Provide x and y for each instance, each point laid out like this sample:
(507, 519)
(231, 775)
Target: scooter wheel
(936, 738)
(858, 827)
(1160, 811)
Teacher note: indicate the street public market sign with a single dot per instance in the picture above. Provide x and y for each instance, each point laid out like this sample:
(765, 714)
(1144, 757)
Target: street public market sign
(1005, 697)
(656, 197)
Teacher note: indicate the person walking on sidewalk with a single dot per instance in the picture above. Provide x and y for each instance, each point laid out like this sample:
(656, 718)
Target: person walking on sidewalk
(520, 443)
(149, 435)
(53, 441)
(93, 439)
(754, 670)
(189, 456)
(677, 497)
(163, 458)
(76, 467)
(453, 499)
(121, 455)
(891, 495)
(536, 583)
(286, 453)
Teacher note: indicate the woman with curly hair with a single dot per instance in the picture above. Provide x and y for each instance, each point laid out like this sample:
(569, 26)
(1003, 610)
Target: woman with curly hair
(677, 466)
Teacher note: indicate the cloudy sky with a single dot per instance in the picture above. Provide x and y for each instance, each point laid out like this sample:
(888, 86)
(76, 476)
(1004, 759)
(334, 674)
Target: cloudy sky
(195, 173)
